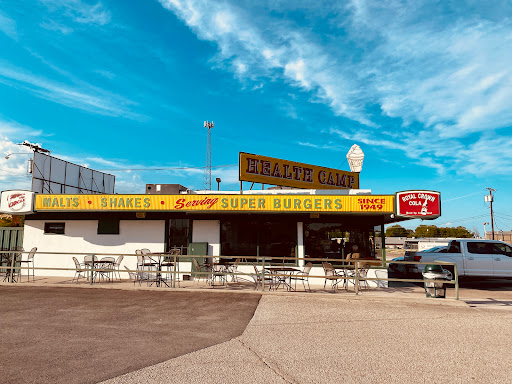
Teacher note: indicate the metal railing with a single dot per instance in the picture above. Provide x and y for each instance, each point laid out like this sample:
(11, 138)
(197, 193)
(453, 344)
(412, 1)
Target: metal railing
(12, 268)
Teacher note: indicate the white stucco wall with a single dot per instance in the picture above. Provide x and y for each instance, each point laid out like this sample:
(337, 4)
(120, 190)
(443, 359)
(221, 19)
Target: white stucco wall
(207, 231)
(81, 237)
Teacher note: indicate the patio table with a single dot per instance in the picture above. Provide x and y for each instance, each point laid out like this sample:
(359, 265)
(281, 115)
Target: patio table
(158, 261)
(98, 264)
(283, 275)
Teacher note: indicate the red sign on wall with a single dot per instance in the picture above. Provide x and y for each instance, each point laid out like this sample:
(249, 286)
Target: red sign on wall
(418, 204)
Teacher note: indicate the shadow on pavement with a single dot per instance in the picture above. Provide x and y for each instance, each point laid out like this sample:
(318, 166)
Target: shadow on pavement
(74, 335)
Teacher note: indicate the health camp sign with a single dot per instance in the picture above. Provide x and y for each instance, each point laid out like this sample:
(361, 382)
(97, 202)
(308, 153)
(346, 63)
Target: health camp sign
(268, 170)
(216, 203)
(418, 204)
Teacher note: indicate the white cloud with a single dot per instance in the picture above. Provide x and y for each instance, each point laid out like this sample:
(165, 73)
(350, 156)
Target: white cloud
(301, 61)
(52, 25)
(13, 171)
(86, 97)
(8, 26)
(440, 76)
(13, 129)
(80, 12)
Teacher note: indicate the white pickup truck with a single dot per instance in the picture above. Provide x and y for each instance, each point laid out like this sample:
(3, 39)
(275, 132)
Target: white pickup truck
(474, 257)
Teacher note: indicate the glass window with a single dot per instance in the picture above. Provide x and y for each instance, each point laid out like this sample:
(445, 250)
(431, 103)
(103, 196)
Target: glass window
(455, 247)
(480, 248)
(54, 228)
(108, 226)
(502, 249)
(336, 241)
(272, 238)
(179, 235)
(277, 239)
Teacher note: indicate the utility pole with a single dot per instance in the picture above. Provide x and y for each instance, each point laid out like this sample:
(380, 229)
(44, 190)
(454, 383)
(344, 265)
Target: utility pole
(489, 199)
(484, 228)
(207, 181)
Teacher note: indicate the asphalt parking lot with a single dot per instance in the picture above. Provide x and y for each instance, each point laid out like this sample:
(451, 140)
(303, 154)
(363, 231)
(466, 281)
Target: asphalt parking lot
(87, 335)
(334, 339)
(74, 335)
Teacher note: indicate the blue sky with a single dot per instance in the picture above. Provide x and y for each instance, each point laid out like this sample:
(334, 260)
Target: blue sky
(423, 87)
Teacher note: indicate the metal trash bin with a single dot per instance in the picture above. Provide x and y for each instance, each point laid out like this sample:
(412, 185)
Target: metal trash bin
(435, 272)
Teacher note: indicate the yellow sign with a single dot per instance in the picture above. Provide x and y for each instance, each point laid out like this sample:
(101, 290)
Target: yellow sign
(217, 203)
(268, 170)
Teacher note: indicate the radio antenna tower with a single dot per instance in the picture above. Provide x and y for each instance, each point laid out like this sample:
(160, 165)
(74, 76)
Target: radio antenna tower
(207, 181)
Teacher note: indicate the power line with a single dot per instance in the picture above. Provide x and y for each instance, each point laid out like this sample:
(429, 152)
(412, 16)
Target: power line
(460, 197)
(164, 168)
(467, 218)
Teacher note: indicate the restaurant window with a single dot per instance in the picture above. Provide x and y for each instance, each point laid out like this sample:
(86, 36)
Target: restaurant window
(54, 228)
(108, 226)
(337, 240)
(269, 238)
(179, 235)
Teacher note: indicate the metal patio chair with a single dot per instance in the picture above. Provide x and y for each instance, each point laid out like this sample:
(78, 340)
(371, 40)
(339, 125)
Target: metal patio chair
(303, 276)
(107, 268)
(79, 270)
(202, 271)
(30, 259)
(91, 261)
(117, 265)
(331, 275)
(258, 279)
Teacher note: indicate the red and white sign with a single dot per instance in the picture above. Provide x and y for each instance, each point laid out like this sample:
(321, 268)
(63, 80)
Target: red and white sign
(17, 202)
(418, 204)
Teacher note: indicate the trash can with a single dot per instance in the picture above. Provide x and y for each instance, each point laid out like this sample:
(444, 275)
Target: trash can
(435, 272)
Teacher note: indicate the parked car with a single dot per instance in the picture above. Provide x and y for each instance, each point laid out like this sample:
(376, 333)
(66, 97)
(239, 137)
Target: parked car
(411, 270)
(474, 257)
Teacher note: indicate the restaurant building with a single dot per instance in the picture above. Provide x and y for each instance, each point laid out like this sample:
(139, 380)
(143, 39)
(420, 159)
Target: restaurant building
(297, 223)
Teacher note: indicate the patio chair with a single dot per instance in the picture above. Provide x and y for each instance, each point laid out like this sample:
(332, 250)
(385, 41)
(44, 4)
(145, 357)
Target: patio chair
(303, 276)
(168, 263)
(117, 265)
(140, 267)
(107, 266)
(202, 271)
(131, 275)
(363, 273)
(91, 261)
(79, 270)
(258, 280)
(331, 275)
(360, 273)
(146, 268)
(30, 259)
(218, 271)
(234, 271)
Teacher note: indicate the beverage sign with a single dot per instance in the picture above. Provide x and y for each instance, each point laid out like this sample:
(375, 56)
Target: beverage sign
(419, 204)
(17, 202)
(268, 170)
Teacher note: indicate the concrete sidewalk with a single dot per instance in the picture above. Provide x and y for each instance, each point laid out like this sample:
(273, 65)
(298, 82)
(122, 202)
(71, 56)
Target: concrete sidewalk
(318, 339)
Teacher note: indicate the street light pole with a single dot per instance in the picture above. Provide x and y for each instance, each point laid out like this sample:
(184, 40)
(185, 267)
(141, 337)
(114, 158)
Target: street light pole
(489, 199)
(484, 228)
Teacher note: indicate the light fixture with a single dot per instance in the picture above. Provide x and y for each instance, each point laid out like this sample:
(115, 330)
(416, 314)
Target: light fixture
(218, 180)
(355, 157)
(18, 153)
